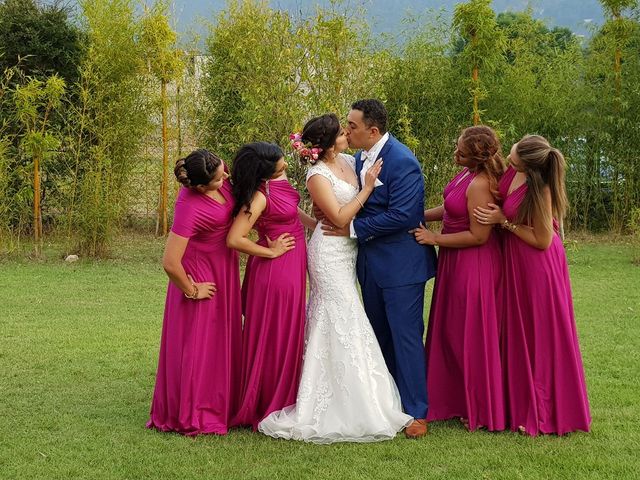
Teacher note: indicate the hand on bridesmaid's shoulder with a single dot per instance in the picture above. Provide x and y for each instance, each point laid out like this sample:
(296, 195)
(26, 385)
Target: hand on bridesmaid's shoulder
(489, 216)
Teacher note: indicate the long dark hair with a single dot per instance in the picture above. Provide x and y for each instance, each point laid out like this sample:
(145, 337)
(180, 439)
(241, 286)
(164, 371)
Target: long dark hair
(197, 168)
(544, 166)
(253, 163)
(486, 151)
(321, 132)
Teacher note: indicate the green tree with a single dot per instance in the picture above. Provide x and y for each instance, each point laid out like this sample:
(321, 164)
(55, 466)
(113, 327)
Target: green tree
(341, 61)
(165, 63)
(475, 22)
(252, 81)
(426, 98)
(5, 158)
(535, 90)
(40, 38)
(37, 40)
(108, 124)
(612, 102)
(620, 30)
(539, 88)
(34, 102)
(522, 26)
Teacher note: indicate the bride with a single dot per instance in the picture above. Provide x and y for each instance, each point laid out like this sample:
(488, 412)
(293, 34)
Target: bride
(346, 392)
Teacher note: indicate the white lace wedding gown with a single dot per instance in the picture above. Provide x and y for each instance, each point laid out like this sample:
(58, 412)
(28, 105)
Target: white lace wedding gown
(346, 392)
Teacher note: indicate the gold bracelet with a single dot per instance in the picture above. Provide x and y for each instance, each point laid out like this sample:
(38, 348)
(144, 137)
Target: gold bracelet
(361, 204)
(194, 295)
(507, 225)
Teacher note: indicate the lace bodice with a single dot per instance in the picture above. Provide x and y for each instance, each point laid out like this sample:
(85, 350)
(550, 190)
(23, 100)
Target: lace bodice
(344, 191)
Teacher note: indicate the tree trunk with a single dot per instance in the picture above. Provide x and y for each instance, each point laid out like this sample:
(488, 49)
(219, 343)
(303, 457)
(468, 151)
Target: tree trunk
(179, 125)
(476, 110)
(164, 195)
(37, 217)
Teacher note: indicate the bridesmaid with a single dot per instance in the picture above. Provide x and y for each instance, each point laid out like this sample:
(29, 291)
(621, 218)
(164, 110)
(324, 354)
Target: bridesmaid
(464, 374)
(274, 287)
(544, 377)
(197, 385)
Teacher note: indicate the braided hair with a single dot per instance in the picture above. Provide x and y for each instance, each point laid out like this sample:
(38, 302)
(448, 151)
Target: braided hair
(486, 153)
(197, 168)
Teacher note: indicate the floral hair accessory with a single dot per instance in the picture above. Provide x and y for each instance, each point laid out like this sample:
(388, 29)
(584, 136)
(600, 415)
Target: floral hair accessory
(307, 152)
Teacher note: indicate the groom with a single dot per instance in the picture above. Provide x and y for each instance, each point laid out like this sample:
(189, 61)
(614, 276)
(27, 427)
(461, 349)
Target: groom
(392, 267)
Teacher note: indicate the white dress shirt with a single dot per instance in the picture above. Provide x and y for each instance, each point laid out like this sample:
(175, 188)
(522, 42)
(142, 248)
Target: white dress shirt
(369, 158)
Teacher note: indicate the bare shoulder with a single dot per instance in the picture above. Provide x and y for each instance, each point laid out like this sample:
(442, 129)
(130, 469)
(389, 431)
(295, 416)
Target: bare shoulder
(259, 199)
(318, 182)
(479, 187)
(480, 182)
(317, 178)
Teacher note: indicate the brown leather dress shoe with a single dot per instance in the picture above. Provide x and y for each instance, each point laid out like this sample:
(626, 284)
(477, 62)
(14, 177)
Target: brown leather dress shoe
(417, 428)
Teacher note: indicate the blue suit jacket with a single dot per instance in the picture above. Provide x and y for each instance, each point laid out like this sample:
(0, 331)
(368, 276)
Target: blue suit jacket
(385, 246)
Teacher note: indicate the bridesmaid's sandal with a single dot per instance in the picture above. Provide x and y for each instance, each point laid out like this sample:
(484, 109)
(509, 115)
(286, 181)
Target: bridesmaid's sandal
(465, 424)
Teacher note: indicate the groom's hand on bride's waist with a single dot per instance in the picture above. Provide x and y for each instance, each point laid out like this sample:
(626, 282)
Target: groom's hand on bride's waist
(320, 216)
(331, 230)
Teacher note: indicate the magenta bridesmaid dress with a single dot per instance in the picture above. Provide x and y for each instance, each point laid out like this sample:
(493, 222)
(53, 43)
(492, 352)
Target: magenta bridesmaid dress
(544, 376)
(464, 373)
(197, 383)
(273, 294)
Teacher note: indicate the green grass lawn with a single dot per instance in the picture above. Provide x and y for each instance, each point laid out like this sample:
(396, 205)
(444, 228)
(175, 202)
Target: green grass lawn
(78, 351)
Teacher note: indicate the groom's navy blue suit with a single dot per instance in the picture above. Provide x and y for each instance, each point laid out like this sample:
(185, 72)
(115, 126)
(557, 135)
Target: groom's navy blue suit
(393, 269)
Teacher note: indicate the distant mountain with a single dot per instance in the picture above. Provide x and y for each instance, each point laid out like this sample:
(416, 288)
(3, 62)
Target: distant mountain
(387, 15)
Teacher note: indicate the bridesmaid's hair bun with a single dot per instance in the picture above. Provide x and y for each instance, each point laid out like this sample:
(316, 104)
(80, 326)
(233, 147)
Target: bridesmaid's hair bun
(197, 168)
(484, 149)
(321, 132)
(181, 173)
(482, 143)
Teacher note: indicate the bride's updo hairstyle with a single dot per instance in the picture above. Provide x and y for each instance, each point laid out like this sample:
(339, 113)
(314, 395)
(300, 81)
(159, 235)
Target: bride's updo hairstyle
(321, 132)
(197, 168)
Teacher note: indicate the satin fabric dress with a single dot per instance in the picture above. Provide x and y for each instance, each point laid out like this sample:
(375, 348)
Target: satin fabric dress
(464, 372)
(198, 377)
(274, 302)
(544, 376)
